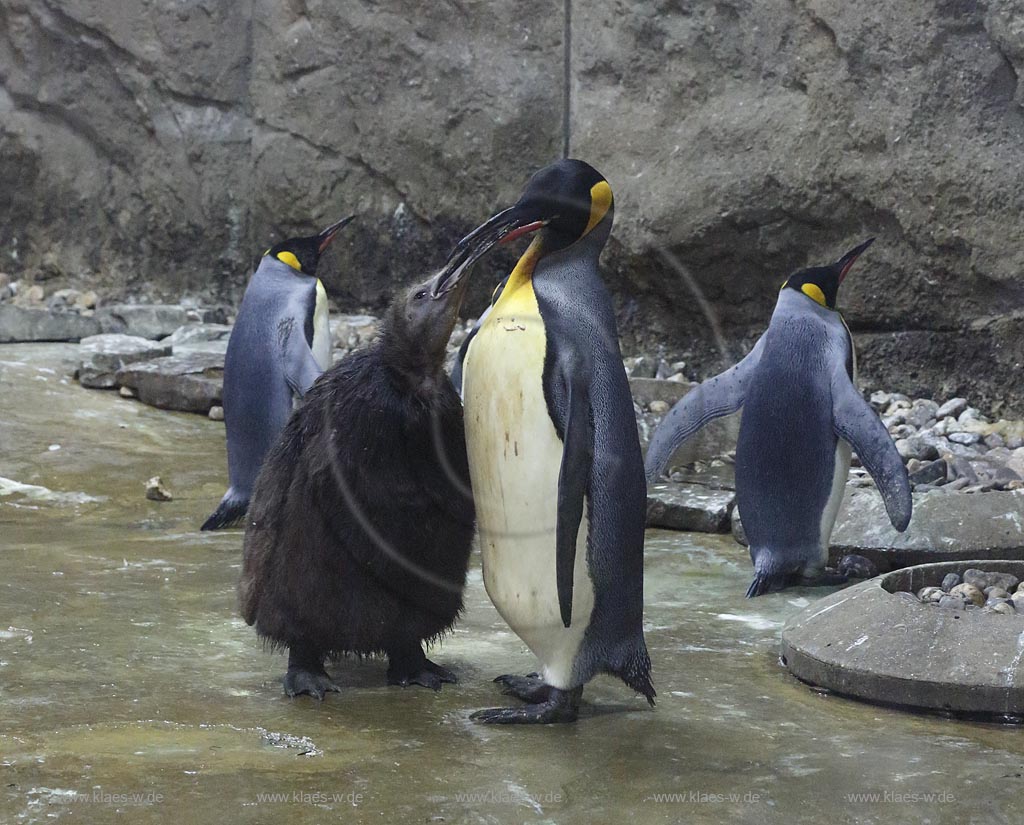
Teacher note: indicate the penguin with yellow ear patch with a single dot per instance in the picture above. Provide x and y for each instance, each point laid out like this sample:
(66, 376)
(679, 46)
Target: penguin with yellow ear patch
(554, 454)
(802, 413)
(280, 344)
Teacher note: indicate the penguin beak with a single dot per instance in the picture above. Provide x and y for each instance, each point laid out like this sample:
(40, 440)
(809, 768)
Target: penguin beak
(845, 264)
(504, 227)
(324, 238)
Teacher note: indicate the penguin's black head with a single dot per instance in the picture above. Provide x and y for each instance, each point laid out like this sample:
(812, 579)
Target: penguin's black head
(417, 327)
(821, 283)
(566, 200)
(304, 254)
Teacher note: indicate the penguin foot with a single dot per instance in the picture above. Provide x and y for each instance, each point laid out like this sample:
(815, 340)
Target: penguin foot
(306, 673)
(530, 688)
(562, 706)
(314, 682)
(423, 672)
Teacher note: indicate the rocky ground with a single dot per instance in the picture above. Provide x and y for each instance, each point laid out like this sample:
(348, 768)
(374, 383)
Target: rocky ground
(993, 591)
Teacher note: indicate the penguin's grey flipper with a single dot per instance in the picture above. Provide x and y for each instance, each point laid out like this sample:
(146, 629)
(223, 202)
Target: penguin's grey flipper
(573, 479)
(858, 425)
(300, 367)
(721, 395)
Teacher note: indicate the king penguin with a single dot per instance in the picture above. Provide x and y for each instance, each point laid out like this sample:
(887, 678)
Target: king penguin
(802, 413)
(280, 344)
(554, 456)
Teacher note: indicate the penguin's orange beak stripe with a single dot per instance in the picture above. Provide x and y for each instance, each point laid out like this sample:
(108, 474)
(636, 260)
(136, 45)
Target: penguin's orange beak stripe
(523, 230)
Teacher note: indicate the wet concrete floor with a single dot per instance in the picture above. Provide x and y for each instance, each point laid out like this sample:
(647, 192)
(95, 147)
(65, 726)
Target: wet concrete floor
(131, 691)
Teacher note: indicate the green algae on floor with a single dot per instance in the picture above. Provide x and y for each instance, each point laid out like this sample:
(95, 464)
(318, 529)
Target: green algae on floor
(130, 690)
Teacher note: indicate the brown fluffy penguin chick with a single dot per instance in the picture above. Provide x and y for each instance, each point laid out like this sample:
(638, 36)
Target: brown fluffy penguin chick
(358, 534)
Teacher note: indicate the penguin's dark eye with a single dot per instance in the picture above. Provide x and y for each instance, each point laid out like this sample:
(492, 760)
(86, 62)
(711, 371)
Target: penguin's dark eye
(419, 296)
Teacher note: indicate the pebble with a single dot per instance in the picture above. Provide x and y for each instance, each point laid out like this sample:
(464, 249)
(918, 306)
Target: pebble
(968, 592)
(930, 472)
(880, 399)
(155, 490)
(980, 579)
(126, 392)
(658, 407)
(950, 581)
(952, 602)
(217, 413)
(953, 408)
(916, 447)
(964, 438)
(931, 594)
(996, 593)
(857, 567)
(1002, 607)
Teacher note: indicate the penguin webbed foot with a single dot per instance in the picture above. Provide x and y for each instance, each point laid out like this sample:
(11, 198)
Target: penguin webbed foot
(314, 682)
(414, 668)
(530, 688)
(306, 674)
(561, 706)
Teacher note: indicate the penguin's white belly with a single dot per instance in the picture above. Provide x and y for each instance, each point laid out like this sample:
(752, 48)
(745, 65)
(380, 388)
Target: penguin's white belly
(835, 497)
(514, 458)
(321, 329)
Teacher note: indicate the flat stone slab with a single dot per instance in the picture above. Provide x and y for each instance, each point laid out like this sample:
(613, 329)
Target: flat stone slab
(197, 332)
(190, 382)
(946, 526)
(154, 321)
(103, 355)
(21, 325)
(692, 507)
(870, 643)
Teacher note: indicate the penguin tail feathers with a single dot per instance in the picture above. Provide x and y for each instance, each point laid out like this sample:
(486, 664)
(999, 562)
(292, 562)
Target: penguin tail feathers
(637, 673)
(229, 512)
(761, 584)
(767, 577)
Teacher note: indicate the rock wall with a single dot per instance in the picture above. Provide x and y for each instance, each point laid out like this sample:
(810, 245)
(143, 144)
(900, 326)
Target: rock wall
(159, 152)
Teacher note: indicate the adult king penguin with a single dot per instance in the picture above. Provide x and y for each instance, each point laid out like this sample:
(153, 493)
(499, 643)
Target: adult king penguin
(554, 456)
(280, 343)
(802, 413)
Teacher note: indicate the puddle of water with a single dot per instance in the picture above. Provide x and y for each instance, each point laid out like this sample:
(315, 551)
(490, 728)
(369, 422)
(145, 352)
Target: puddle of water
(131, 691)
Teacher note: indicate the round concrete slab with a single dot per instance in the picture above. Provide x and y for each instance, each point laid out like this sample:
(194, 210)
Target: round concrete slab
(870, 643)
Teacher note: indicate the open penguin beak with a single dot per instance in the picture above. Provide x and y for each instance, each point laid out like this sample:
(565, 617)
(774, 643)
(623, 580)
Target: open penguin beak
(506, 226)
(845, 263)
(324, 238)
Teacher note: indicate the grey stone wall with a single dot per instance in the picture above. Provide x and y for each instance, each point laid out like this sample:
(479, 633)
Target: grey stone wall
(158, 148)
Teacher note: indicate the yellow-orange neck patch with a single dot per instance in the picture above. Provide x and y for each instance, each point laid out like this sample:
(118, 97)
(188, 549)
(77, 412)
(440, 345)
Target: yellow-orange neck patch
(814, 291)
(600, 203)
(520, 277)
(290, 259)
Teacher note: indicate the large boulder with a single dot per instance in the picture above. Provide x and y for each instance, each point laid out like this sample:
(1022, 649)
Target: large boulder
(689, 507)
(154, 321)
(102, 356)
(18, 325)
(946, 526)
(191, 382)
